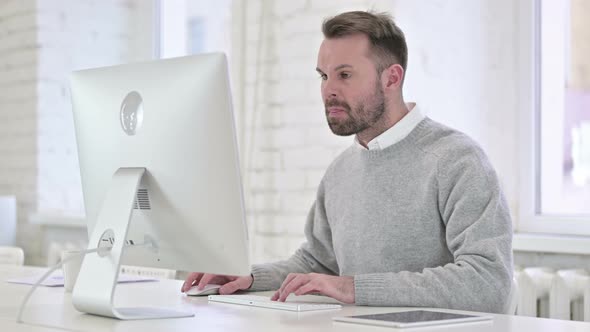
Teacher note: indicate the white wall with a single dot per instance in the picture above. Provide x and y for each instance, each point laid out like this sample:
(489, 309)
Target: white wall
(461, 72)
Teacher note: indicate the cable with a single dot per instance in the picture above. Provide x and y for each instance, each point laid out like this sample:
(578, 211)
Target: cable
(148, 242)
(48, 273)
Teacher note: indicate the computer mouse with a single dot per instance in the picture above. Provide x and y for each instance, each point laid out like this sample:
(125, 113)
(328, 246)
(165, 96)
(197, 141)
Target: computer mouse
(210, 289)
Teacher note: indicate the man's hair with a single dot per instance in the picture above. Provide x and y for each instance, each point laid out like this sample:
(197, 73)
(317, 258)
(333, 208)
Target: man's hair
(388, 43)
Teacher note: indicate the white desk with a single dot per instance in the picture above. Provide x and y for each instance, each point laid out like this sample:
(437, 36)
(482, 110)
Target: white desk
(50, 309)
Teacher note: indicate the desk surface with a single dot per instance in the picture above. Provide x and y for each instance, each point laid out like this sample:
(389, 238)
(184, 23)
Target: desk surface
(50, 309)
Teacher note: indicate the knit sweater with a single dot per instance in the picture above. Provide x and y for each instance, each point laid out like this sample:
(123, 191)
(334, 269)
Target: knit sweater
(421, 223)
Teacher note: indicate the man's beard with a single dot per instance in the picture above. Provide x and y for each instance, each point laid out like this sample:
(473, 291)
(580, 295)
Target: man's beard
(365, 115)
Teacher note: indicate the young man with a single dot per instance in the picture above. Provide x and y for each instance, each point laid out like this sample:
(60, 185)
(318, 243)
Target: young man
(412, 214)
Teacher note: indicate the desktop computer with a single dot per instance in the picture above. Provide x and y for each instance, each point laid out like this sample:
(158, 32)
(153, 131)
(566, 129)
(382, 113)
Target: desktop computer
(160, 175)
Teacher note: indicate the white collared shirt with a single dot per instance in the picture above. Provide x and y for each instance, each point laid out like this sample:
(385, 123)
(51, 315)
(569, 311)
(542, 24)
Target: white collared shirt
(397, 132)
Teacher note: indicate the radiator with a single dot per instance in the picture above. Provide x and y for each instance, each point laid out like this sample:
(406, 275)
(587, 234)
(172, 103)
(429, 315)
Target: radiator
(561, 294)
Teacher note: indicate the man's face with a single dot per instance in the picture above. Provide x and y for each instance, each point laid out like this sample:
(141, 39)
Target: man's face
(351, 89)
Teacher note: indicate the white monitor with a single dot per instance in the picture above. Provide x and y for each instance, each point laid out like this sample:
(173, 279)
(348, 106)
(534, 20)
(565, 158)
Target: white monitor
(159, 168)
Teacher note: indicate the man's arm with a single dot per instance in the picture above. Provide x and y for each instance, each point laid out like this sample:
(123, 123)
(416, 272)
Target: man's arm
(478, 234)
(314, 256)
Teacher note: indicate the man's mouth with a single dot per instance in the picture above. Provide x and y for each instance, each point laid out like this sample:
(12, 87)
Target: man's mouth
(335, 111)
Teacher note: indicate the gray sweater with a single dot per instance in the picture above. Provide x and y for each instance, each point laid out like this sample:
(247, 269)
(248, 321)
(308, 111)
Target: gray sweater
(420, 223)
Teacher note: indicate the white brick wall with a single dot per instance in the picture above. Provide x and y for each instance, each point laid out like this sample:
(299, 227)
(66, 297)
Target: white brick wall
(18, 122)
(40, 43)
(289, 144)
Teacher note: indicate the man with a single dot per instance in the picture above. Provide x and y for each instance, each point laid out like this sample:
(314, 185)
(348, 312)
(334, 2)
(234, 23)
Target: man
(412, 214)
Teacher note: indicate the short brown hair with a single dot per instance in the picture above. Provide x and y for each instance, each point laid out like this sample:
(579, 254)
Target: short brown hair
(388, 42)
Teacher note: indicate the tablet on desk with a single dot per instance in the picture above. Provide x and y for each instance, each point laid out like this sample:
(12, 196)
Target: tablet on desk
(414, 318)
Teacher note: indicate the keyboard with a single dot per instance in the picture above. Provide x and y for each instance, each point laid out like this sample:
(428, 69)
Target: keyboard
(265, 302)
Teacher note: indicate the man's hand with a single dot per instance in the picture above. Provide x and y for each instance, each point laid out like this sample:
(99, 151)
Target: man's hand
(339, 288)
(231, 284)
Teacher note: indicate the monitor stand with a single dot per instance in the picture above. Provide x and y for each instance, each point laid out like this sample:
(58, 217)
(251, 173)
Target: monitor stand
(95, 287)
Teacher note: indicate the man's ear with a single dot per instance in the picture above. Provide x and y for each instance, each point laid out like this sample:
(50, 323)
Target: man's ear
(393, 76)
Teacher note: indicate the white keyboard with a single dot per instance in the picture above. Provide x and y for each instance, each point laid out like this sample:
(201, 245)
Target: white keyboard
(265, 302)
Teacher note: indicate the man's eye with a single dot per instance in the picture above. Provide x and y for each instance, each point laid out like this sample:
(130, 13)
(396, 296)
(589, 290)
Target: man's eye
(323, 77)
(344, 75)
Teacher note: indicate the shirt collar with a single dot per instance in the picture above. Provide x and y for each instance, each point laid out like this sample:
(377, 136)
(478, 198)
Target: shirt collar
(397, 132)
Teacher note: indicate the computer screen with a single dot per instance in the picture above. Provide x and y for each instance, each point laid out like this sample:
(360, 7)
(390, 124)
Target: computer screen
(159, 168)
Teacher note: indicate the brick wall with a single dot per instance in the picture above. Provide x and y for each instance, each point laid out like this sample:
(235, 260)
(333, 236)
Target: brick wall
(288, 144)
(18, 113)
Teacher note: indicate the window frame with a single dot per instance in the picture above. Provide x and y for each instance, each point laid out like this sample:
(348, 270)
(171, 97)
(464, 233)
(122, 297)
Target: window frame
(530, 60)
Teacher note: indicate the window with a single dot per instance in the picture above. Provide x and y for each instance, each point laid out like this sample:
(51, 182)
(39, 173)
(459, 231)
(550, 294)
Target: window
(556, 154)
(192, 27)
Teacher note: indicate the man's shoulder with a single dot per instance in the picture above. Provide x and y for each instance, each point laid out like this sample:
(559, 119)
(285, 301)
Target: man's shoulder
(455, 151)
(446, 142)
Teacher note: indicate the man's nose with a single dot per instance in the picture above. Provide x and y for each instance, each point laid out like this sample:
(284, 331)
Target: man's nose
(329, 90)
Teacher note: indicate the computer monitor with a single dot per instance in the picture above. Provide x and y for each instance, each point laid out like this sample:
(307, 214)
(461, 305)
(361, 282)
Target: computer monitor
(160, 175)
